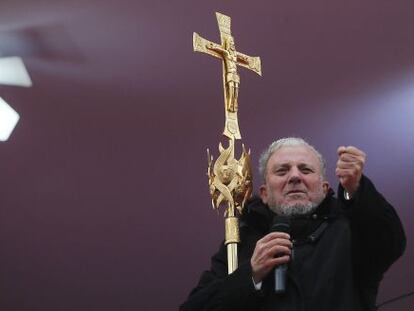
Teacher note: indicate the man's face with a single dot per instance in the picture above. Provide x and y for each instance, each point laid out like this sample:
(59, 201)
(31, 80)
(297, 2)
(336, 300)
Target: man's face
(293, 179)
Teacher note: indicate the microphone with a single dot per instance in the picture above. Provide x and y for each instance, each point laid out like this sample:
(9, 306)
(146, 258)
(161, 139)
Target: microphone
(280, 224)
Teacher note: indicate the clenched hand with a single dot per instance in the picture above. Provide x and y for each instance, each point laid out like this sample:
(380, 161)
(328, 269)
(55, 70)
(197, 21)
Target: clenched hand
(272, 250)
(349, 167)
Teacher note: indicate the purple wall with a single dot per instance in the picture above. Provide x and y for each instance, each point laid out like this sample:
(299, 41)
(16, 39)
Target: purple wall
(103, 199)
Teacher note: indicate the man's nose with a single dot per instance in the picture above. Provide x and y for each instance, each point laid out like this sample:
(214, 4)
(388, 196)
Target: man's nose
(295, 175)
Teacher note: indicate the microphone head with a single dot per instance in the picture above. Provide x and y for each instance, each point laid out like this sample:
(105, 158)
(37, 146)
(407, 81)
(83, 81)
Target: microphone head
(281, 224)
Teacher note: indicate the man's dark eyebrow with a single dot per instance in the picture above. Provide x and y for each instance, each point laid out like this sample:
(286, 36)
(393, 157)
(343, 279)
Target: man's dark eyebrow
(287, 165)
(306, 165)
(283, 165)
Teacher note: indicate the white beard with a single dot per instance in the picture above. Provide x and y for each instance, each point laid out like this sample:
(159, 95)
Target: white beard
(296, 209)
(293, 210)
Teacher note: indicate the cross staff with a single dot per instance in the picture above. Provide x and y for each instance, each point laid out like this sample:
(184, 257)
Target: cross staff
(231, 79)
(230, 179)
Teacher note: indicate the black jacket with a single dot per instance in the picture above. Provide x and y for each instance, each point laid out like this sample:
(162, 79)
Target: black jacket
(340, 255)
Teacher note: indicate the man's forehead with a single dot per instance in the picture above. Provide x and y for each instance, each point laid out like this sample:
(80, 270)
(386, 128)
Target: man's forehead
(294, 154)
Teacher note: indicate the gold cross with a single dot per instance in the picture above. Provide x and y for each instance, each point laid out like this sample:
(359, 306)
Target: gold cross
(226, 51)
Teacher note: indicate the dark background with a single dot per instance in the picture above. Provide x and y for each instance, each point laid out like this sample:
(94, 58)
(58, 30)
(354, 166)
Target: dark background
(104, 203)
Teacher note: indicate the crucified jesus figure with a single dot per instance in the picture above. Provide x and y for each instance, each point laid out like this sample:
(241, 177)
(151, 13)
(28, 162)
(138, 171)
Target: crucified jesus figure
(232, 79)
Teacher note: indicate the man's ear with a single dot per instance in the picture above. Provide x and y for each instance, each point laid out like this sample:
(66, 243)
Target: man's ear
(325, 187)
(263, 193)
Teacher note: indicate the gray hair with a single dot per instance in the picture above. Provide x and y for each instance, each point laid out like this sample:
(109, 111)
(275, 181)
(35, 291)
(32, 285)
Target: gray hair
(287, 142)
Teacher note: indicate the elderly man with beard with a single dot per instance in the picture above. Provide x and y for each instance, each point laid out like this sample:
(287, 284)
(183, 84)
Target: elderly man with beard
(338, 248)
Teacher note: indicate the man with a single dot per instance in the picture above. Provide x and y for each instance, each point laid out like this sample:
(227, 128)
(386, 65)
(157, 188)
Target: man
(338, 248)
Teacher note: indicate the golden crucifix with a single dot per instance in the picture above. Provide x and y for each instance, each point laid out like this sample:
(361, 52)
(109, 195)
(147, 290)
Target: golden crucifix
(231, 79)
(230, 180)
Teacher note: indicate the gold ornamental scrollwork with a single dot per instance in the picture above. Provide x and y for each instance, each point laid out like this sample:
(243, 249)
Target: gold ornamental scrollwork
(230, 179)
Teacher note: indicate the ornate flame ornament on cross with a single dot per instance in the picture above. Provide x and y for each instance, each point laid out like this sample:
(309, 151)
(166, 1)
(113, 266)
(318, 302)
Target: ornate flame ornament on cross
(230, 180)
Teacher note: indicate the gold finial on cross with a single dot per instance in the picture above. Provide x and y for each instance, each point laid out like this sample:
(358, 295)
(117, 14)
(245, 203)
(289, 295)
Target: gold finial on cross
(231, 58)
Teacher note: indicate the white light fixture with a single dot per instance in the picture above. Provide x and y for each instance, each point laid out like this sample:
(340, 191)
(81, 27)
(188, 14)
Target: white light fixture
(8, 120)
(13, 72)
